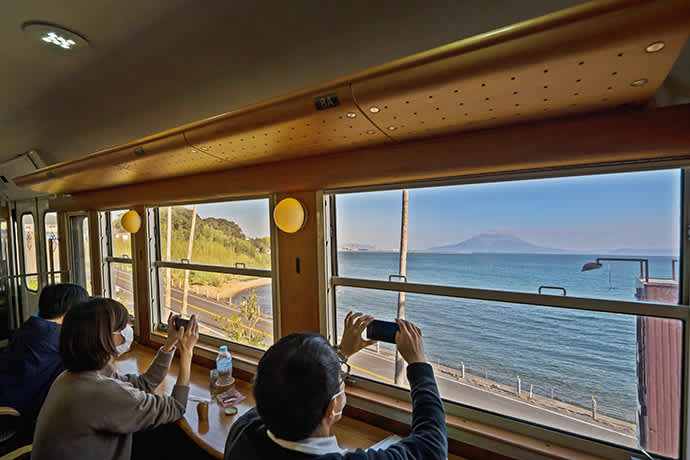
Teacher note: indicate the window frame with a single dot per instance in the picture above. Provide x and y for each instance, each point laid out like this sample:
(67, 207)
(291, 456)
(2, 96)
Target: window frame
(107, 257)
(156, 263)
(26, 274)
(50, 274)
(87, 254)
(330, 280)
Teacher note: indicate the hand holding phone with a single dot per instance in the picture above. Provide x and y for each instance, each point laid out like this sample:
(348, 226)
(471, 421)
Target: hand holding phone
(180, 322)
(382, 330)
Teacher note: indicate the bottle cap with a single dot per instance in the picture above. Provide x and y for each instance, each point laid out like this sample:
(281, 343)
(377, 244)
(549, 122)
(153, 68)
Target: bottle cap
(223, 348)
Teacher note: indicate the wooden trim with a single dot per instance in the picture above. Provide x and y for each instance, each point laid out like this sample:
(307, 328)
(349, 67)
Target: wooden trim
(299, 291)
(601, 139)
(140, 265)
(204, 355)
(17, 453)
(64, 239)
(95, 250)
(5, 410)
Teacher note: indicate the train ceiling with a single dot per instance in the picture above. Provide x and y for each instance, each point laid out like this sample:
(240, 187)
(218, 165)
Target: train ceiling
(594, 57)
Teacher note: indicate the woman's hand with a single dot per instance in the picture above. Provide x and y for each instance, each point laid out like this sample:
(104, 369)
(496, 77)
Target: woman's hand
(187, 341)
(409, 342)
(352, 340)
(189, 337)
(174, 335)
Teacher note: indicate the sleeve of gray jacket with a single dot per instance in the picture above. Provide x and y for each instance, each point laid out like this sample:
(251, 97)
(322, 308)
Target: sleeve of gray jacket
(125, 409)
(154, 375)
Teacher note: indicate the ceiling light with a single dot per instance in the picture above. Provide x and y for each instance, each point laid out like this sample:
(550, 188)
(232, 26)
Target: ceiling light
(374, 109)
(351, 115)
(53, 35)
(640, 82)
(654, 47)
(392, 128)
(371, 131)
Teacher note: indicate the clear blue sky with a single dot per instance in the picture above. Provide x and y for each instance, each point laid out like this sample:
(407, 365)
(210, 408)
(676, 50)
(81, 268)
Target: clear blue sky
(252, 215)
(632, 210)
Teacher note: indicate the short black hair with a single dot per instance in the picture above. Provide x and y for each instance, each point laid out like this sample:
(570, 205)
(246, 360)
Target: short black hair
(86, 336)
(295, 381)
(56, 299)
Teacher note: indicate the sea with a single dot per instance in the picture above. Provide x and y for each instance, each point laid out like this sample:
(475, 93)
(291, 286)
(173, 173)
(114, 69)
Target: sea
(572, 354)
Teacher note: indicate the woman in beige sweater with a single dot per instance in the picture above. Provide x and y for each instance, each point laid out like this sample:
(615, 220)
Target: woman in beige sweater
(91, 411)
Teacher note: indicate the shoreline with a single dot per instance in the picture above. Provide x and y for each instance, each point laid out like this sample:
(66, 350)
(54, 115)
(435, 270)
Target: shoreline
(241, 286)
(560, 406)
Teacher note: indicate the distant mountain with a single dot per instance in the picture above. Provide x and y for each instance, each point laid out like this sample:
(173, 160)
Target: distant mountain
(357, 247)
(495, 242)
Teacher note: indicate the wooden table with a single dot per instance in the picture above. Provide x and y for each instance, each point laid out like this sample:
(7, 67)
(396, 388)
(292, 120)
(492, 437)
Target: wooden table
(211, 435)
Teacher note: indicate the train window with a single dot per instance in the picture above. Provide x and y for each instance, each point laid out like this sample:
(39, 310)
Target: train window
(52, 247)
(80, 251)
(30, 252)
(214, 260)
(553, 301)
(118, 274)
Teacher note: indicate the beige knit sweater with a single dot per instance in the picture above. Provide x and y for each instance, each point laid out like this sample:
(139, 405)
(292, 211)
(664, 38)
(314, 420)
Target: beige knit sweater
(92, 415)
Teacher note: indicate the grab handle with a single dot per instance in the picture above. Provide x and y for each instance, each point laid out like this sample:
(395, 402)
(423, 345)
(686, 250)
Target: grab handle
(558, 288)
(401, 277)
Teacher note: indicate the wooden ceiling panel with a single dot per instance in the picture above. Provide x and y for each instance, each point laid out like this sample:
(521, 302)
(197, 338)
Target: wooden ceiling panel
(560, 76)
(167, 157)
(290, 130)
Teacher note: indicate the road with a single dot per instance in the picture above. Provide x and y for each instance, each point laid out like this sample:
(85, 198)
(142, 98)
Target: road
(379, 367)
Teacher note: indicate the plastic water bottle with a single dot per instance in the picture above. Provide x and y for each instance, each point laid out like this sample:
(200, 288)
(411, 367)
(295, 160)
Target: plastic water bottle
(224, 366)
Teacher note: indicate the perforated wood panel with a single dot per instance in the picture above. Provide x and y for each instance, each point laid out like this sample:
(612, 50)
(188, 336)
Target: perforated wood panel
(590, 58)
(293, 129)
(165, 158)
(487, 88)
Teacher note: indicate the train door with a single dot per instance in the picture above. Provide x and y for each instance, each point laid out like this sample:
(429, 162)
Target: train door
(31, 255)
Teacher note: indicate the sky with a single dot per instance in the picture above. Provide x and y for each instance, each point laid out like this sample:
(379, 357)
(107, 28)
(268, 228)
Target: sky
(251, 215)
(638, 210)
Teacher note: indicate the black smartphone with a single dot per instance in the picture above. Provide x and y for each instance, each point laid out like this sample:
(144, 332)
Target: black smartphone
(179, 322)
(383, 331)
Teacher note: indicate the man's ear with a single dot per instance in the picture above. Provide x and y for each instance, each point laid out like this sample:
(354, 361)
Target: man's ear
(330, 409)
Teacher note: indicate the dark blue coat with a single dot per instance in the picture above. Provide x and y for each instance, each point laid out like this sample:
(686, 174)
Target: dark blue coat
(428, 440)
(29, 365)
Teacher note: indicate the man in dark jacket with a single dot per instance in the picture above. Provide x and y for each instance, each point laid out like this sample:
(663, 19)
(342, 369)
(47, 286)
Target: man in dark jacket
(300, 393)
(32, 361)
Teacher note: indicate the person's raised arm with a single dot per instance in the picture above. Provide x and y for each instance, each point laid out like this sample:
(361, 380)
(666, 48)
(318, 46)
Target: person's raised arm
(352, 340)
(428, 439)
(150, 379)
(186, 344)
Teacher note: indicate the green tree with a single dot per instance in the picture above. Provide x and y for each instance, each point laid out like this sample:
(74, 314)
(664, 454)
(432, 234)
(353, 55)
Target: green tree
(241, 328)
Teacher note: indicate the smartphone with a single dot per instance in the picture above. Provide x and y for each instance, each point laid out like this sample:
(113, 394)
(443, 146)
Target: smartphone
(383, 331)
(179, 322)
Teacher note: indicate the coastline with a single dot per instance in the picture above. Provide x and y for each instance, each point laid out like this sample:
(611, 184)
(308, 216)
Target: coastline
(559, 406)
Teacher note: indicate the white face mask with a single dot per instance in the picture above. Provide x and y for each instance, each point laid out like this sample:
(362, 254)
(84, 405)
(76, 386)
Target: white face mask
(128, 334)
(339, 413)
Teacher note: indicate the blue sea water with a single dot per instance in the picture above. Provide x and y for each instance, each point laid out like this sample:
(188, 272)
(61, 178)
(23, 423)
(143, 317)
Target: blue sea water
(576, 353)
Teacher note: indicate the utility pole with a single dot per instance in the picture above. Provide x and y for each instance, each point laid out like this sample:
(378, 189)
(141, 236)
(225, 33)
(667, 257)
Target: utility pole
(189, 258)
(399, 362)
(168, 257)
